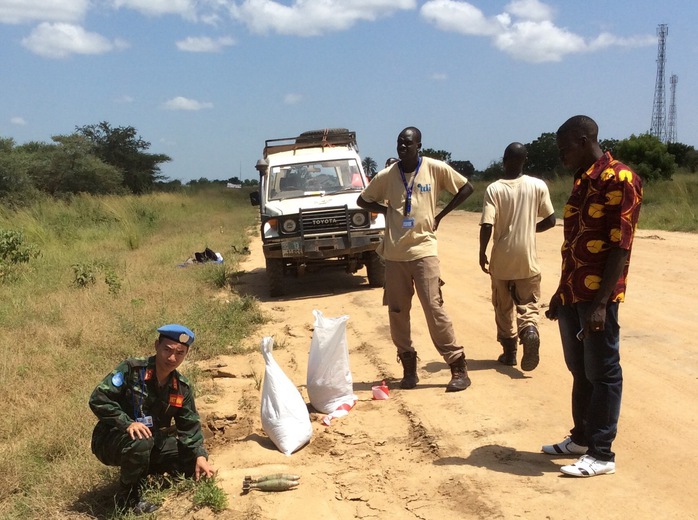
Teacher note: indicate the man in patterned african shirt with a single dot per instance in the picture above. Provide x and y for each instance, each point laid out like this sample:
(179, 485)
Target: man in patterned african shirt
(600, 218)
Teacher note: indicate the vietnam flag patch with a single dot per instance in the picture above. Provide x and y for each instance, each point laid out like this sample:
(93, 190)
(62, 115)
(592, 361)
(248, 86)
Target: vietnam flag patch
(176, 400)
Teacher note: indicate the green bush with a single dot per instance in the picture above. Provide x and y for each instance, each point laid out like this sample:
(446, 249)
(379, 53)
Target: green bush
(208, 494)
(84, 275)
(14, 249)
(647, 156)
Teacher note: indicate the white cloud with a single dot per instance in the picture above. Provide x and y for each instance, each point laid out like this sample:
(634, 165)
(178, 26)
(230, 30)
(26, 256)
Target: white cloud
(20, 11)
(19, 121)
(204, 44)
(124, 99)
(182, 103)
(604, 40)
(312, 17)
(462, 17)
(59, 40)
(538, 42)
(525, 30)
(293, 99)
(439, 76)
(530, 10)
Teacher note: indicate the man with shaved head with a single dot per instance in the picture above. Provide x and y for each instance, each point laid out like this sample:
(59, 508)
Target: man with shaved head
(600, 219)
(407, 193)
(516, 207)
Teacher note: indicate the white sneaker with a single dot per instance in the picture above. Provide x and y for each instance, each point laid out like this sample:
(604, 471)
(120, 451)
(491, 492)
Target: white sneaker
(566, 447)
(588, 466)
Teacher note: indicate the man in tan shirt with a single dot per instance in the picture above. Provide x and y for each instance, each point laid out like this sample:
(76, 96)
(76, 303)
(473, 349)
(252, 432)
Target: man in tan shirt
(407, 193)
(510, 213)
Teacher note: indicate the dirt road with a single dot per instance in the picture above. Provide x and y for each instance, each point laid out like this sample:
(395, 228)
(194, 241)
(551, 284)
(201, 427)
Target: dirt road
(426, 454)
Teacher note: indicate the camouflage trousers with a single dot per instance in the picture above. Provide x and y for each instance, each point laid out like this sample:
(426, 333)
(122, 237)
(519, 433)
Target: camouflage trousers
(141, 457)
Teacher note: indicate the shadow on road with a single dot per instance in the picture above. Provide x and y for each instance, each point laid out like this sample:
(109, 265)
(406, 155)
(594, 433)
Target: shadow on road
(327, 282)
(505, 460)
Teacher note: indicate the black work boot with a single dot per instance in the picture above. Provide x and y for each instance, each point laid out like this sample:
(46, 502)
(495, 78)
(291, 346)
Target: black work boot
(409, 369)
(509, 355)
(531, 344)
(459, 376)
(129, 500)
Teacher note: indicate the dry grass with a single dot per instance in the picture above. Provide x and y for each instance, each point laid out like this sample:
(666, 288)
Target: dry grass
(59, 338)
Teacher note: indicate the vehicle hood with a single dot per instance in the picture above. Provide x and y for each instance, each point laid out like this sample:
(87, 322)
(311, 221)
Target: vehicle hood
(275, 208)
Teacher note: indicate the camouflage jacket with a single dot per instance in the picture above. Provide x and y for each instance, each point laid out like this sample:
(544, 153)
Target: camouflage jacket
(131, 390)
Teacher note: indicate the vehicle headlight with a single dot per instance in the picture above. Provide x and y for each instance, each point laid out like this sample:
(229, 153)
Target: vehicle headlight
(359, 219)
(289, 225)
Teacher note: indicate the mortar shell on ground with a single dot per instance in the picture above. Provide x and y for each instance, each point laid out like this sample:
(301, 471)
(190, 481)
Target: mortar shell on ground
(271, 485)
(274, 476)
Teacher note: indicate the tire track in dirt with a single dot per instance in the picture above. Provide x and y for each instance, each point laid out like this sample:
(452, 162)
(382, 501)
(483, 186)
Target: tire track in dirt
(476, 454)
(351, 469)
(423, 440)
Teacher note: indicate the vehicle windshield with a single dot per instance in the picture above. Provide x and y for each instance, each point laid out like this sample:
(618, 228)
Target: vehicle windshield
(319, 178)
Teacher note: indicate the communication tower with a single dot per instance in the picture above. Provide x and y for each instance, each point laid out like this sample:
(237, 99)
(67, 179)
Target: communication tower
(658, 127)
(671, 125)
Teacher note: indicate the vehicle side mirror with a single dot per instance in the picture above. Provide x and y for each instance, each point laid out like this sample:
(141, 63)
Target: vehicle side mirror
(254, 198)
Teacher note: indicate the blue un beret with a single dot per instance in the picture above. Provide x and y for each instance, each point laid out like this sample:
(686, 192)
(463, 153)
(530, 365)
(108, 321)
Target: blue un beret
(179, 333)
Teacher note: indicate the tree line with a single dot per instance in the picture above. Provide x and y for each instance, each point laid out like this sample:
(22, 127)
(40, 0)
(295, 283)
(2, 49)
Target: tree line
(96, 159)
(647, 155)
(101, 159)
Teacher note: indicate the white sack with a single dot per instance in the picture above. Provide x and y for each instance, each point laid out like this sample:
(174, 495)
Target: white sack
(285, 417)
(329, 377)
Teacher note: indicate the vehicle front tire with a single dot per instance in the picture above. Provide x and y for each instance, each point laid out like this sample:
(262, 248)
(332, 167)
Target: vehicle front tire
(375, 269)
(275, 276)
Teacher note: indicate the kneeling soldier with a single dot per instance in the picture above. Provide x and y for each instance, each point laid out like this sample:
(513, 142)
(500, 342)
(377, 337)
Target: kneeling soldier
(148, 423)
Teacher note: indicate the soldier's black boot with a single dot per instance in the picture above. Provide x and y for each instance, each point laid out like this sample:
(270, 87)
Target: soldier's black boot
(531, 344)
(509, 355)
(409, 369)
(129, 500)
(459, 376)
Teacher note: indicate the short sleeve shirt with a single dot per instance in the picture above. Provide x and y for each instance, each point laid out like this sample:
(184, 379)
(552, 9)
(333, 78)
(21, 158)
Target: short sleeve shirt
(601, 214)
(513, 207)
(403, 244)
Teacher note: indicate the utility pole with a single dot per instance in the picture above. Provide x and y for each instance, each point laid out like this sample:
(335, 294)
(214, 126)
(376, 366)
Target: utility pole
(658, 127)
(671, 126)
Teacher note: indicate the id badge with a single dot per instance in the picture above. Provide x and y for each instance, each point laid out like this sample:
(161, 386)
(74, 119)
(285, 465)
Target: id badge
(147, 420)
(407, 222)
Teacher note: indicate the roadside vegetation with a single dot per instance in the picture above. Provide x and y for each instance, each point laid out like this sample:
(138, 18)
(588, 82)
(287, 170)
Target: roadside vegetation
(91, 238)
(670, 205)
(84, 283)
(669, 172)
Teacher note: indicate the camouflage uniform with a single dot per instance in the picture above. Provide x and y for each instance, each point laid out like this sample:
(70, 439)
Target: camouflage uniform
(131, 391)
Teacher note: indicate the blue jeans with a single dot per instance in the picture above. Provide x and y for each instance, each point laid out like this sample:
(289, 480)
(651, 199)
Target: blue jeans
(597, 378)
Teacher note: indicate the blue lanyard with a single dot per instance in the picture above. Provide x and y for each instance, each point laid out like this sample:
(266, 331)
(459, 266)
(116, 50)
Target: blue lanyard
(408, 189)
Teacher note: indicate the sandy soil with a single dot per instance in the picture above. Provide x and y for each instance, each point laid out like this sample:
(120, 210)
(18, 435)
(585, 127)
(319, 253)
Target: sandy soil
(426, 454)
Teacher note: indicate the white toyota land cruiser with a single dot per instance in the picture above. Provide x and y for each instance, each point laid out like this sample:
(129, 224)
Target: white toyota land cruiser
(308, 186)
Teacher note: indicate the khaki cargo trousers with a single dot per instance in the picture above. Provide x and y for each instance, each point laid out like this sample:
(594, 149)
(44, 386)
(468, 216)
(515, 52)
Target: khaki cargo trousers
(516, 305)
(402, 280)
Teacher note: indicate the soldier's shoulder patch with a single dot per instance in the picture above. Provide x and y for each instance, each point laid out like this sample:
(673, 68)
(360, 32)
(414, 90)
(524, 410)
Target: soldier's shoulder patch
(117, 379)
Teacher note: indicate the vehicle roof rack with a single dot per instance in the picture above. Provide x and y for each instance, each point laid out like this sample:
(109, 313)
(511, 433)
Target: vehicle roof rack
(326, 138)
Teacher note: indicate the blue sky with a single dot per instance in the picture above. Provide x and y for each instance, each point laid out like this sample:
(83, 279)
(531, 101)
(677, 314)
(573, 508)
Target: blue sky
(207, 81)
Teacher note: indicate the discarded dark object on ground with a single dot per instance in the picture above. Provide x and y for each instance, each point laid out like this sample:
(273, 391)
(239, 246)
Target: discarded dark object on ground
(208, 255)
(275, 482)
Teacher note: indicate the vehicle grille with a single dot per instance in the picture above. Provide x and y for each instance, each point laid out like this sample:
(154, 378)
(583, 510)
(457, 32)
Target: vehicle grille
(325, 220)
